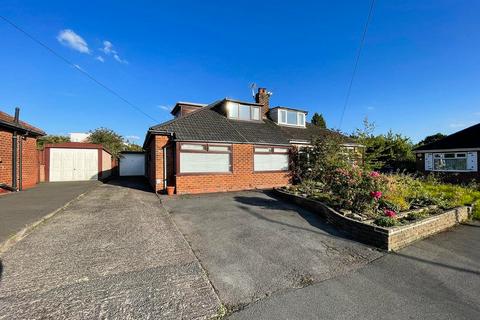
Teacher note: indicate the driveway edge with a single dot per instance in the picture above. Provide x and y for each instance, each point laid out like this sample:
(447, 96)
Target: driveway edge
(10, 242)
(222, 311)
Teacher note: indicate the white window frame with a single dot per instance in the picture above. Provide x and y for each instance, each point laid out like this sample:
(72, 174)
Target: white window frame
(283, 113)
(271, 150)
(208, 148)
(235, 105)
(456, 155)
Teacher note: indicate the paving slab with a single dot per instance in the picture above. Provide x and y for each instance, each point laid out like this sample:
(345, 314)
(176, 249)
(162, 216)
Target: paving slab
(112, 254)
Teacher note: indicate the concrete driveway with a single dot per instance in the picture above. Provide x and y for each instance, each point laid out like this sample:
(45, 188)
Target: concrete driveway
(253, 245)
(20, 209)
(112, 254)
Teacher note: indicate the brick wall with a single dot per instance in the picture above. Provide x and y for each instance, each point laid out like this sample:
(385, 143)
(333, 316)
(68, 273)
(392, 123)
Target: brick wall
(30, 165)
(5, 157)
(242, 178)
(155, 171)
(390, 239)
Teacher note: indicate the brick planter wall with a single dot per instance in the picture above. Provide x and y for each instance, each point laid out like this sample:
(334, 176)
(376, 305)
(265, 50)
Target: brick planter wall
(390, 239)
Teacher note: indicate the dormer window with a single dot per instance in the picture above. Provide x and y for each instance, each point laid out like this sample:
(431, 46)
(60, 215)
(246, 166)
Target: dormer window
(239, 111)
(291, 117)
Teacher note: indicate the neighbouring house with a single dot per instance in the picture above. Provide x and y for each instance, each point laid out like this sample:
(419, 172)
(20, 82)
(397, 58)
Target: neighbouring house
(19, 164)
(227, 145)
(79, 136)
(455, 155)
(77, 161)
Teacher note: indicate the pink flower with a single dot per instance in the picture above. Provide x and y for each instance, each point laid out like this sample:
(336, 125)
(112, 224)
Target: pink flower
(374, 174)
(376, 194)
(390, 213)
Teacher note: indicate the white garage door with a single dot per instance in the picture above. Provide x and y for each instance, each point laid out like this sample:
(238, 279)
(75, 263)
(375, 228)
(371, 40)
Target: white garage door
(73, 164)
(132, 164)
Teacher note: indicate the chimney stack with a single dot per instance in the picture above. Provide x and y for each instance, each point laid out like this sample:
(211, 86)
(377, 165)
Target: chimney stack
(263, 97)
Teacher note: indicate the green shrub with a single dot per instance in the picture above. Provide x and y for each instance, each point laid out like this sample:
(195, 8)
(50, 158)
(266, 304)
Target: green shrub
(386, 222)
(417, 215)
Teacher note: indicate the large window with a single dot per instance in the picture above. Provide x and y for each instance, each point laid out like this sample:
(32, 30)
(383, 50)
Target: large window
(450, 161)
(291, 117)
(240, 111)
(270, 158)
(204, 158)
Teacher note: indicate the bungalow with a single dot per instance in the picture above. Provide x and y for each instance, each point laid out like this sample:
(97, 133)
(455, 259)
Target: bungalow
(19, 165)
(455, 155)
(227, 145)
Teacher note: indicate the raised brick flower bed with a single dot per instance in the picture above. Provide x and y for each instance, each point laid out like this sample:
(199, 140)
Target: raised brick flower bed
(390, 239)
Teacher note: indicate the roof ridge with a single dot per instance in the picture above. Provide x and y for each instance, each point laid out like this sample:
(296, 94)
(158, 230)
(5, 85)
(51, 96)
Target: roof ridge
(207, 107)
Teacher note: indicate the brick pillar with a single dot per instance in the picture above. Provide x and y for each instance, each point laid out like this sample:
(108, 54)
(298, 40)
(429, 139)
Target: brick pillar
(158, 170)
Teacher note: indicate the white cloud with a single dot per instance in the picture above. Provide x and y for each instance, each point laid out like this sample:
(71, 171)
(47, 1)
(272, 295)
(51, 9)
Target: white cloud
(476, 113)
(72, 40)
(107, 47)
(166, 108)
(133, 137)
(109, 50)
(78, 67)
(117, 57)
(370, 108)
(100, 58)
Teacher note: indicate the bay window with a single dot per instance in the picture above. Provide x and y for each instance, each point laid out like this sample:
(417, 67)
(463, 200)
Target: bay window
(270, 158)
(204, 158)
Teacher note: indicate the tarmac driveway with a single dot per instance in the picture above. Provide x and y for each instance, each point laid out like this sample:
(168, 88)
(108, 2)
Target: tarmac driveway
(253, 245)
(112, 254)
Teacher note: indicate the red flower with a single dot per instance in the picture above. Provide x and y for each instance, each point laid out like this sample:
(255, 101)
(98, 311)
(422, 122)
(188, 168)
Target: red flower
(390, 213)
(374, 174)
(376, 194)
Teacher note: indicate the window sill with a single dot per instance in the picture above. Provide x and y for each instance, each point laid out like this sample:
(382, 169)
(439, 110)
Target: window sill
(272, 171)
(453, 171)
(203, 173)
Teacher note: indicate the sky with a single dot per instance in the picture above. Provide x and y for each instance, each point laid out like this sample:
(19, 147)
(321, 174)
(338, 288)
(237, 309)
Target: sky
(419, 72)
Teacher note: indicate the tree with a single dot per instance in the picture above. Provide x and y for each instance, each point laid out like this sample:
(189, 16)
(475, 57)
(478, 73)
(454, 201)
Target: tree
(109, 139)
(318, 120)
(130, 146)
(318, 160)
(431, 138)
(51, 139)
(388, 152)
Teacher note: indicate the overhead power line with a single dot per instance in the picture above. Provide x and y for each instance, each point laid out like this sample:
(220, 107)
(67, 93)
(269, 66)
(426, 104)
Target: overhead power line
(76, 67)
(357, 58)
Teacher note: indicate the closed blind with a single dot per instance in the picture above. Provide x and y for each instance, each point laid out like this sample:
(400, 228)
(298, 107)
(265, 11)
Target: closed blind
(204, 162)
(270, 162)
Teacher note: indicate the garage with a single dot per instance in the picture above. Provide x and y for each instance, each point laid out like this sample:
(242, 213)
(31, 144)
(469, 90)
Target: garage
(132, 163)
(77, 162)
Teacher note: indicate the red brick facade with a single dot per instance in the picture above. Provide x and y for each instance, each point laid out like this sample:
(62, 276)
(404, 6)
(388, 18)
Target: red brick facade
(29, 156)
(242, 176)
